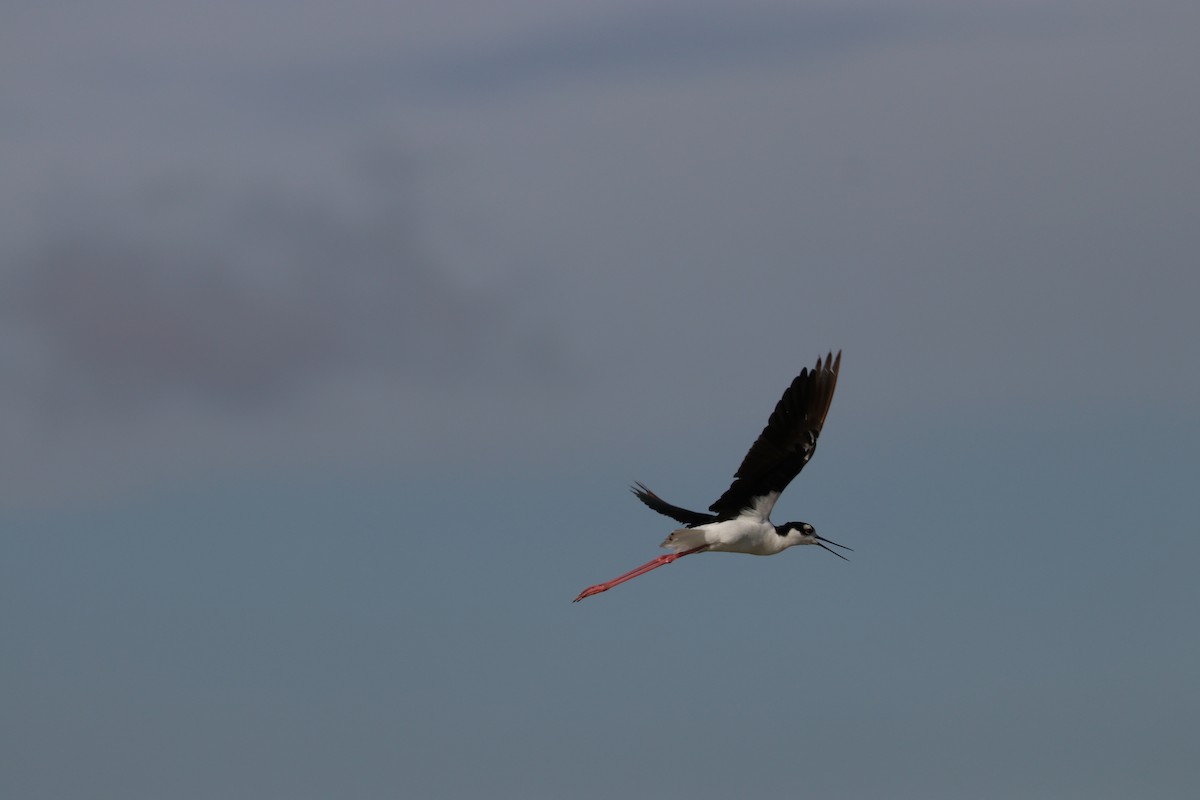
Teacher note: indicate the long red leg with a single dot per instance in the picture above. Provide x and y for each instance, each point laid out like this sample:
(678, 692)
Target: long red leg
(633, 573)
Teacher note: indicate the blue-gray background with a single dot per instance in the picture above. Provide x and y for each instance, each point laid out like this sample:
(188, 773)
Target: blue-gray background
(331, 335)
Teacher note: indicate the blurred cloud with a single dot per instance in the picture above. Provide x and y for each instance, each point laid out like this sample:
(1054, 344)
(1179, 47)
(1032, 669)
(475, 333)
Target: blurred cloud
(681, 41)
(221, 304)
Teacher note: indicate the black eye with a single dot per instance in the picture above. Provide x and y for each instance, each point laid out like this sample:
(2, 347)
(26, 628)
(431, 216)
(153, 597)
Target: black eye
(808, 528)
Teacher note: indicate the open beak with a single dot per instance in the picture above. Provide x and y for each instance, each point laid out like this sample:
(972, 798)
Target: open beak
(821, 539)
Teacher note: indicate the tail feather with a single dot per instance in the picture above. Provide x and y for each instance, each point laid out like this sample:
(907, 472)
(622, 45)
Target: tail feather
(685, 539)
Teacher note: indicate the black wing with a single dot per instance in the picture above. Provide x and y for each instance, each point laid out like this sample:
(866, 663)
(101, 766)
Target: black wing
(676, 513)
(788, 441)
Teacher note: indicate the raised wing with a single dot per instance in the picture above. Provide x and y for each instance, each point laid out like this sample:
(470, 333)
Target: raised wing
(785, 445)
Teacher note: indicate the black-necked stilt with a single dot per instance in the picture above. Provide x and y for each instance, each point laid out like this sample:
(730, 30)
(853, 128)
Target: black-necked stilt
(739, 522)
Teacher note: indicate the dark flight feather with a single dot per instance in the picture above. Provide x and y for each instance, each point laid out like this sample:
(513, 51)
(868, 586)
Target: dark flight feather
(785, 445)
(689, 518)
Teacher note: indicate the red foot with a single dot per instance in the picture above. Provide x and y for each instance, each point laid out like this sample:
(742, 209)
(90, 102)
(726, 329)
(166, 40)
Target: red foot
(591, 590)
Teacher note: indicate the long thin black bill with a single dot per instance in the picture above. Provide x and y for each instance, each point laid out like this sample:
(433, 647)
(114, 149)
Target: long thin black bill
(835, 552)
(835, 544)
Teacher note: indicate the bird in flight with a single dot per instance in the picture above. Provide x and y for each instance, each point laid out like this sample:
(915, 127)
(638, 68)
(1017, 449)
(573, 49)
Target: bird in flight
(739, 521)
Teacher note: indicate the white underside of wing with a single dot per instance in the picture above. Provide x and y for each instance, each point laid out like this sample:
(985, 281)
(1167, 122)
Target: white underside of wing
(762, 506)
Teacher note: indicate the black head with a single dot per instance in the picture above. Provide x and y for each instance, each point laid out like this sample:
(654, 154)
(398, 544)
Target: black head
(807, 534)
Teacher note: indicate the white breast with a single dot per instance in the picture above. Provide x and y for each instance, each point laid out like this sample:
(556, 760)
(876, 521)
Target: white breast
(746, 534)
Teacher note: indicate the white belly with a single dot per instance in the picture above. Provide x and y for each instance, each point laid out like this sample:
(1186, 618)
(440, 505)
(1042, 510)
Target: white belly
(756, 537)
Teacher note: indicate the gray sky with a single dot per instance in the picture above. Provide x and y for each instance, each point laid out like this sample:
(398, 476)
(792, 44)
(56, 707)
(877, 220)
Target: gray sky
(307, 310)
